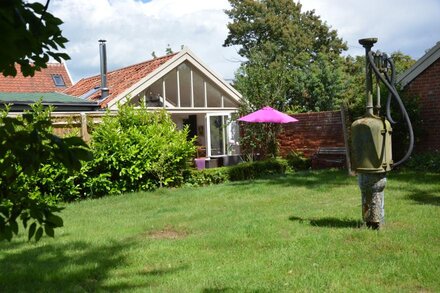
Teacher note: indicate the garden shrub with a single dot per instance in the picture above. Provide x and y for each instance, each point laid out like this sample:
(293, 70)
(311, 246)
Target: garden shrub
(33, 165)
(207, 176)
(257, 169)
(427, 162)
(57, 183)
(297, 161)
(137, 150)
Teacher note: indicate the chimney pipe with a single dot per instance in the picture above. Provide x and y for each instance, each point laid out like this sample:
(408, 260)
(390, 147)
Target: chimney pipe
(103, 62)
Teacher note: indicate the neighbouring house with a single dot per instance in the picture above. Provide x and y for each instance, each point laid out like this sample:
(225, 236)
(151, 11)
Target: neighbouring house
(181, 84)
(46, 85)
(423, 80)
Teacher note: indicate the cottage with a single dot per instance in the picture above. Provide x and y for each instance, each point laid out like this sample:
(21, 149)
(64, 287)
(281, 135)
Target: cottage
(46, 85)
(180, 83)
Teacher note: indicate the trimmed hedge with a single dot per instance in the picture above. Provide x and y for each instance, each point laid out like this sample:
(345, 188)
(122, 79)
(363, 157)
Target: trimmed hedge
(427, 162)
(242, 171)
(207, 176)
(257, 169)
(297, 161)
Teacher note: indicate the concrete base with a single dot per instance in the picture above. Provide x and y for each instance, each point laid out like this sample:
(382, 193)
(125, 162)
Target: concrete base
(372, 189)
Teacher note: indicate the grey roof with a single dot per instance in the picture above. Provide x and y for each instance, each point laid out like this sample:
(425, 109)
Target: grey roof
(424, 62)
(44, 97)
(61, 102)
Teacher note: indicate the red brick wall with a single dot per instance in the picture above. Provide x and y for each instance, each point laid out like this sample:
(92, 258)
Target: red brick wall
(313, 130)
(427, 87)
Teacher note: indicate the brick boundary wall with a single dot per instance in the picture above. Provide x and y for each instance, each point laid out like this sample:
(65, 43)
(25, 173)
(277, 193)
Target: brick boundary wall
(427, 87)
(312, 131)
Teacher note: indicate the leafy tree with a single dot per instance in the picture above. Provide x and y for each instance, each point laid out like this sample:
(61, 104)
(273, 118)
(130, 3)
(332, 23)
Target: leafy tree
(402, 62)
(29, 36)
(293, 60)
(354, 68)
(26, 146)
(276, 35)
(278, 27)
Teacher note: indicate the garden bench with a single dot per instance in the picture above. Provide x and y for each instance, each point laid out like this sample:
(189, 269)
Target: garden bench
(327, 157)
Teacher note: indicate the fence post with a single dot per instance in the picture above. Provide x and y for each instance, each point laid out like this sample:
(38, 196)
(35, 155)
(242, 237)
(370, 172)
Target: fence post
(84, 132)
(344, 119)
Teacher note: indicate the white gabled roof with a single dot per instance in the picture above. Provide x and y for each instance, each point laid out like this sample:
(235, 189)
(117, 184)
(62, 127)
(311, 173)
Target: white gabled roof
(168, 66)
(424, 62)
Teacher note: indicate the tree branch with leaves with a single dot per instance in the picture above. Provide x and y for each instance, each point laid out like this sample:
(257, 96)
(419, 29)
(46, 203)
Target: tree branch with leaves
(30, 35)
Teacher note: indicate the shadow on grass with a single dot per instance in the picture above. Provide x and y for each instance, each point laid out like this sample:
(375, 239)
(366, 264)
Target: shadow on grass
(407, 176)
(227, 289)
(217, 290)
(164, 271)
(329, 222)
(310, 179)
(67, 267)
(425, 197)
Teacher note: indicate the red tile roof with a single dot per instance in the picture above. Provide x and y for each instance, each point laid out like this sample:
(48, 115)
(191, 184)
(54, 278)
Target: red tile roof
(41, 82)
(117, 81)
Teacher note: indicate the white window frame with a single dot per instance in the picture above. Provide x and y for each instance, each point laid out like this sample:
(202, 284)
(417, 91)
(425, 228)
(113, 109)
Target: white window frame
(226, 134)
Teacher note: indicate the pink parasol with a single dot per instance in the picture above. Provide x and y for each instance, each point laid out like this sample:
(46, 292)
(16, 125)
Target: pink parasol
(267, 115)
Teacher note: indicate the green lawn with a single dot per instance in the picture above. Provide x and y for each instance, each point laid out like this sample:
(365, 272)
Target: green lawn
(294, 233)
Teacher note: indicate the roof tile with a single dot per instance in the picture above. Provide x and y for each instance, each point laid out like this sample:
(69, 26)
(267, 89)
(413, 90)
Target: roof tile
(41, 82)
(118, 80)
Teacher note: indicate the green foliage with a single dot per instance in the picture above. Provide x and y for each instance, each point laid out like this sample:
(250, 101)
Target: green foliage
(207, 176)
(30, 36)
(257, 169)
(400, 136)
(57, 182)
(320, 86)
(293, 64)
(138, 150)
(280, 25)
(354, 68)
(293, 233)
(94, 183)
(297, 161)
(134, 150)
(293, 58)
(29, 152)
(424, 162)
(259, 140)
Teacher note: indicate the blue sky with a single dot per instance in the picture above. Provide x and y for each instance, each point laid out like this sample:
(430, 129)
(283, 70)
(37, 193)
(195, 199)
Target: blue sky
(134, 29)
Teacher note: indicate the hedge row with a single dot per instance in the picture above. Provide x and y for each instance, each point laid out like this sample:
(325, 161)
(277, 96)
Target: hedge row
(243, 171)
(426, 162)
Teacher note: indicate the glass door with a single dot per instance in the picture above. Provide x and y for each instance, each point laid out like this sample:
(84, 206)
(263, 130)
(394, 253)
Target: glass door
(216, 139)
(223, 135)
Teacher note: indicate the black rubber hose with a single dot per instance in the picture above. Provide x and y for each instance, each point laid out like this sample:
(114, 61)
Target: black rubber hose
(391, 81)
(394, 92)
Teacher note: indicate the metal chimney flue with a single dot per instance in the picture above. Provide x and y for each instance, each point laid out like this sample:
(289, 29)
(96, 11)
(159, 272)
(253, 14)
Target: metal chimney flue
(103, 62)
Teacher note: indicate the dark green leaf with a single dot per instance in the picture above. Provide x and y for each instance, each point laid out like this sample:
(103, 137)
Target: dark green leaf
(55, 220)
(38, 234)
(49, 231)
(32, 229)
(14, 226)
(7, 233)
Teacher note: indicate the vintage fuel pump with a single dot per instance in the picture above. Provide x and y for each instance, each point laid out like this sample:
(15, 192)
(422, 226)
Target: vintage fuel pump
(371, 153)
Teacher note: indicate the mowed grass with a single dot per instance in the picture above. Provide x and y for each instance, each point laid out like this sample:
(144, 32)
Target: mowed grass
(299, 232)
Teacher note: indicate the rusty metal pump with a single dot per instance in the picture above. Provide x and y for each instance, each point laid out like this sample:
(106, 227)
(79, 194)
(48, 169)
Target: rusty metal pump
(371, 152)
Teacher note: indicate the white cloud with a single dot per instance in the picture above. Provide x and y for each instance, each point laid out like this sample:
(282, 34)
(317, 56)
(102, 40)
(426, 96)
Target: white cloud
(134, 29)
(406, 25)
